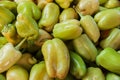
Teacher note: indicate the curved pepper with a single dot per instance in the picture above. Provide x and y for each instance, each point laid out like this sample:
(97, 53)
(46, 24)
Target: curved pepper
(112, 76)
(56, 56)
(94, 73)
(109, 59)
(69, 29)
(63, 3)
(107, 21)
(67, 14)
(50, 15)
(84, 46)
(29, 8)
(38, 72)
(27, 27)
(6, 16)
(77, 65)
(17, 72)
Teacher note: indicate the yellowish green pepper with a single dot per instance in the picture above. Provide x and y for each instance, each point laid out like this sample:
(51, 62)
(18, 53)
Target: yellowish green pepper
(38, 72)
(112, 76)
(112, 3)
(77, 65)
(67, 30)
(109, 59)
(3, 41)
(107, 21)
(17, 72)
(29, 8)
(102, 1)
(57, 59)
(49, 18)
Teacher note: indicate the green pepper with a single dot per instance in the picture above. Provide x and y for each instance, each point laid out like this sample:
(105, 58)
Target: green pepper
(56, 56)
(9, 55)
(2, 77)
(38, 72)
(90, 27)
(27, 27)
(112, 76)
(6, 16)
(29, 8)
(107, 21)
(112, 40)
(3, 41)
(67, 14)
(17, 72)
(102, 1)
(112, 3)
(77, 65)
(63, 3)
(50, 16)
(94, 73)
(109, 59)
(66, 30)
(85, 47)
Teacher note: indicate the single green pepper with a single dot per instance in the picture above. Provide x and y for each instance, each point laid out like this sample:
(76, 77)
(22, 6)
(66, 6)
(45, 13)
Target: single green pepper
(29, 8)
(112, 40)
(57, 59)
(69, 29)
(6, 16)
(109, 59)
(17, 72)
(107, 21)
(63, 3)
(94, 73)
(38, 72)
(112, 76)
(27, 27)
(85, 47)
(77, 65)
(112, 3)
(50, 16)
(2, 77)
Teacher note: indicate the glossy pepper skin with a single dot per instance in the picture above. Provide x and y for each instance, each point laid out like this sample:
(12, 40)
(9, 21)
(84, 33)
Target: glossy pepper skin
(17, 72)
(49, 18)
(77, 65)
(90, 27)
(67, 30)
(107, 21)
(94, 73)
(109, 59)
(112, 40)
(27, 27)
(112, 76)
(29, 8)
(6, 16)
(38, 72)
(57, 59)
(84, 46)
(63, 3)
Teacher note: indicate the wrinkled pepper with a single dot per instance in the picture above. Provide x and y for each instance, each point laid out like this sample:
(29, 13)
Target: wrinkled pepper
(112, 76)
(90, 27)
(50, 16)
(27, 27)
(112, 3)
(9, 55)
(66, 30)
(85, 47)
(107, 21)
(87, 7)
(38, 72)
(109, 59)
(64, 3)
(112, 40)
(94, 73)
(77, 65)
(6, 16)
(57, 59)
(29, 8)
(17, 72)
(10, 33)
(67, 14)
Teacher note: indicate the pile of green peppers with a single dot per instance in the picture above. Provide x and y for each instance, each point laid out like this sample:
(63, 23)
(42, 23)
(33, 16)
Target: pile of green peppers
(60, 40)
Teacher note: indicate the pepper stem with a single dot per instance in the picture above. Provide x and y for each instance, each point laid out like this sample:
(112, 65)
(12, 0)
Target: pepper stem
(20, 44)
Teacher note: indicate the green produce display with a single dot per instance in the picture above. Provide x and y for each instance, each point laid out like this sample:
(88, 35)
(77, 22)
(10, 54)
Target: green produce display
(59, 39)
